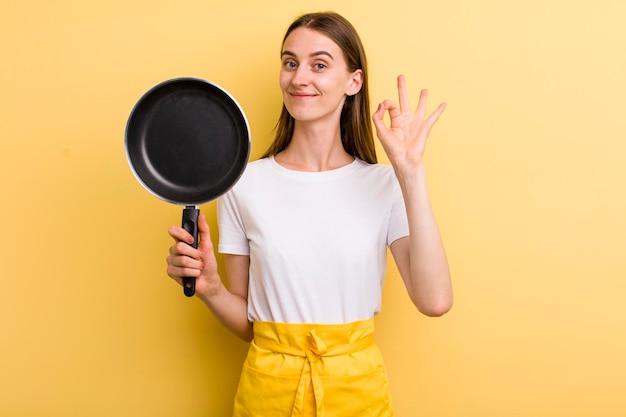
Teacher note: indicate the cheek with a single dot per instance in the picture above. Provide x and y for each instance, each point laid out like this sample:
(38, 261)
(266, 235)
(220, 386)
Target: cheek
(336, 85)
(283, 80)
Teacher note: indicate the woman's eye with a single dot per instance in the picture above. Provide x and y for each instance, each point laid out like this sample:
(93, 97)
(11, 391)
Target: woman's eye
(289, 65)
(319, 66)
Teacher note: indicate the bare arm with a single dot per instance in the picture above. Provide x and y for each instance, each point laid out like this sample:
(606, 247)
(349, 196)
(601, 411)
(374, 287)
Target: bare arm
(228, 305)
(420, 257)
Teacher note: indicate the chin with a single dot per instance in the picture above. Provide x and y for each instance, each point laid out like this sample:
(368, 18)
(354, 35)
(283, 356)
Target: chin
(300, 115)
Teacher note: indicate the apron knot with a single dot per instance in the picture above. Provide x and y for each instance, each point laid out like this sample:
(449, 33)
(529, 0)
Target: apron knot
(318, 346)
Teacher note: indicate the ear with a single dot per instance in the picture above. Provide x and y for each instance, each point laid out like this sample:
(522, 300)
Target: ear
(356, 82)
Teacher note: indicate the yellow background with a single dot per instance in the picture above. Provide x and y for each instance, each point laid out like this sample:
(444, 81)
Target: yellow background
(526, 168)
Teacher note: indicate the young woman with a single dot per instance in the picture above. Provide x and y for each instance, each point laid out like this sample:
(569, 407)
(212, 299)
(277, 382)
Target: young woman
(305, 234)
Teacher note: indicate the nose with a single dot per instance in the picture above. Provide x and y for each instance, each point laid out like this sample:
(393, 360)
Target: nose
(300, 76)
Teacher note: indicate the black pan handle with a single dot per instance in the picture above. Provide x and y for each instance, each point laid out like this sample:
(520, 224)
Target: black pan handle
(190, 224)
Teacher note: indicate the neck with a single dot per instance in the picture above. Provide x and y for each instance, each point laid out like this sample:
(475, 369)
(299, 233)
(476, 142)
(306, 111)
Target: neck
(314, 149)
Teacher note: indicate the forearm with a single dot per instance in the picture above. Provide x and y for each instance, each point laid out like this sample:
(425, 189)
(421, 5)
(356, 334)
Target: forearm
(428, 281)
(231, 310)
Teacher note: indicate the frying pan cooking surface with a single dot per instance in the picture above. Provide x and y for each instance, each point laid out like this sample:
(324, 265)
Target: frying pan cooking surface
(187, 141)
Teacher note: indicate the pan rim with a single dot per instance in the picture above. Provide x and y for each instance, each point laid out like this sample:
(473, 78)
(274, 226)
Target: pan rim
(241, 159)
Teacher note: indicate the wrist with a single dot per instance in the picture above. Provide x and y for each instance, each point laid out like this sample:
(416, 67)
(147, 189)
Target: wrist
(211, 289)
(410, 172)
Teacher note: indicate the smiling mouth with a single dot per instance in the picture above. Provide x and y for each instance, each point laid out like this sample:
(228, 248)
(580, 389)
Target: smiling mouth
(302, 96)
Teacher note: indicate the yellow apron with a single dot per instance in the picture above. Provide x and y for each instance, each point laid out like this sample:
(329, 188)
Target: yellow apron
(297, 370)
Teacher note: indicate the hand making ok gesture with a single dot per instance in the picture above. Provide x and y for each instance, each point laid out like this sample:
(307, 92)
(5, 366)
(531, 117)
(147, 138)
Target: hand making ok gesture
(404, 141)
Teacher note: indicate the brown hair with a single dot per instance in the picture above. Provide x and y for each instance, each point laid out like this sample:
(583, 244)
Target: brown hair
(356, 129)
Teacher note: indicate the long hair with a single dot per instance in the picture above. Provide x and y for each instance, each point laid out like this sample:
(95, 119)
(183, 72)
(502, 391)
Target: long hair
(356, 130)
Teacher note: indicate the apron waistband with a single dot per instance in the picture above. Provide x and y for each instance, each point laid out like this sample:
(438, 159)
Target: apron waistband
(305, 341)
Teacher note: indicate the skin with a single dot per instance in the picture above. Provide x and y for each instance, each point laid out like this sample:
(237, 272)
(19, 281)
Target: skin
(315, 82)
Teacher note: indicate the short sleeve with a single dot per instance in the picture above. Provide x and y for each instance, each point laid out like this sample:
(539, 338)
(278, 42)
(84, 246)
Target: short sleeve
(398, 222)
(233, 239)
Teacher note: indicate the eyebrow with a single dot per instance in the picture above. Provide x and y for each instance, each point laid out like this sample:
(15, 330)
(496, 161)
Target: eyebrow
(314, 54)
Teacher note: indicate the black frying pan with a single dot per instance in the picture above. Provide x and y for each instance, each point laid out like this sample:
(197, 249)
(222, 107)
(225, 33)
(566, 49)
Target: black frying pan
(187, 142)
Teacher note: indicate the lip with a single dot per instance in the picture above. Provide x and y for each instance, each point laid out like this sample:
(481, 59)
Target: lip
(301, 95)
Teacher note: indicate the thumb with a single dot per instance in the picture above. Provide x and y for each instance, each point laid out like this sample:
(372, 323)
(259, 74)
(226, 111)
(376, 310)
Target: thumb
(204, 233)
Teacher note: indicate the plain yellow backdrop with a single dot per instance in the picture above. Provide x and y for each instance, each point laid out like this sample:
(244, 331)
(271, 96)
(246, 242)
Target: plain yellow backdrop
(526, 168)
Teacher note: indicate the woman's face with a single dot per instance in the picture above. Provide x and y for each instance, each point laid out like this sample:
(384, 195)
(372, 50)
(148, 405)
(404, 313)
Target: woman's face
(314, 77)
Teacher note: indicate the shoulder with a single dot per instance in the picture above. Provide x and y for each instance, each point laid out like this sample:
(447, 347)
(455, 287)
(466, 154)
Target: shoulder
(255, 169)
(249, 179)
(381, 171)
(258, 165)
(378, 167)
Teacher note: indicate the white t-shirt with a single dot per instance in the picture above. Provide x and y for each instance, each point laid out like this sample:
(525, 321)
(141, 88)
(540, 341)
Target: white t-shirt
(317, 241)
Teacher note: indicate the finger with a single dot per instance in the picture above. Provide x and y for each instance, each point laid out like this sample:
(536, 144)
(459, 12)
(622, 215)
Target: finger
(178, 272)
(180, 235)
(421, 105)
(403, 96)
(181, 248)
(185, 261)
(180, 262)
(432, 119)
(393, 109)
(378, 118)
